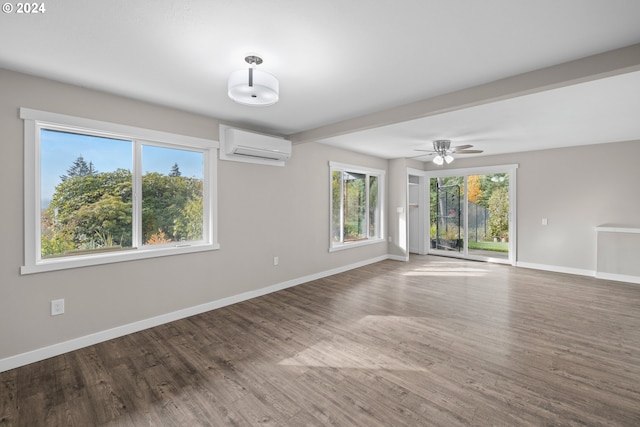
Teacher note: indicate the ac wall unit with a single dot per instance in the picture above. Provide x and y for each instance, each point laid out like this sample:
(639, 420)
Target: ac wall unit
(251, 147)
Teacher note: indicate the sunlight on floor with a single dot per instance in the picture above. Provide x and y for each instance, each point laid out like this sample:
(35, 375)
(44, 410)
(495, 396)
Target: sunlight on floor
(328, 354)
(366, 353)
(448, 270)
(363, 350)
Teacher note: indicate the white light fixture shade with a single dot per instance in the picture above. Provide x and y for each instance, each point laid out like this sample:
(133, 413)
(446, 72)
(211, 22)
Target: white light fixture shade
(448, 159)
(438, 160)
(253, 87)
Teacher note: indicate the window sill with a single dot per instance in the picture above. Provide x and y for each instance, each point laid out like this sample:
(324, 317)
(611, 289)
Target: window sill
(341, 246)
(54, 264)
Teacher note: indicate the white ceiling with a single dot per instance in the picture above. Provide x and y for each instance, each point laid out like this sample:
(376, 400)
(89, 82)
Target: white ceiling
(339, 60)
(600, 111)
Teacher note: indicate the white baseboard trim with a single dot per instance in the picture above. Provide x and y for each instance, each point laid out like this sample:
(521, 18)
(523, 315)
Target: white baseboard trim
(591, 273)
(57, 349)
(556, 269)
(618, 277)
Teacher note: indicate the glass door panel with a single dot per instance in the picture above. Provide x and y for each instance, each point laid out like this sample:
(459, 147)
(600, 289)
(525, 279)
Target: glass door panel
(446, 226)
(488, 215)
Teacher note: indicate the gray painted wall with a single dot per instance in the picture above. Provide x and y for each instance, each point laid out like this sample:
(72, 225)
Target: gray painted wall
(576, 189)
(268, 211)
(264, 211)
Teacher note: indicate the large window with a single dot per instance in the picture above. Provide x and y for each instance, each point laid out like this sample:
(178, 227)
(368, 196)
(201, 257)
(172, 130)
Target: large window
(356, 205)
(98, 192)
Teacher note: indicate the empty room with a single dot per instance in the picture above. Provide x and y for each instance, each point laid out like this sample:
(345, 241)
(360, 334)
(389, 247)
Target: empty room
(357, 213)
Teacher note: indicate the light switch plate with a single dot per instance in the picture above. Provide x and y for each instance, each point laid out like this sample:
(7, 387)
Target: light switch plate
(57, 307)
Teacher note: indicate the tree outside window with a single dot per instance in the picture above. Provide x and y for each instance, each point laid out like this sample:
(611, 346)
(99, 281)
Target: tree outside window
(99, 192)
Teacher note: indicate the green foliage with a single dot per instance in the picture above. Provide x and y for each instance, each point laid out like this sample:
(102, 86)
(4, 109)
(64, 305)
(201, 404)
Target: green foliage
(489, 184)
(94, 210)
(452, 232)
(439, 204)
(57, 243)
(105, 223)
(373, 205)
(489, 246)
(489, 191)
(175, 171)
(354, 206)
(349, 206)
(499, 213)
(336, 191)
(352, 230)
(188, 226)
(79, 168)
(165, 198)
(433, 230)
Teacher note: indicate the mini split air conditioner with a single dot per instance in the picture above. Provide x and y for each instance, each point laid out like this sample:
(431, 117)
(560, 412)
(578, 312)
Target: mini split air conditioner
(244, 146)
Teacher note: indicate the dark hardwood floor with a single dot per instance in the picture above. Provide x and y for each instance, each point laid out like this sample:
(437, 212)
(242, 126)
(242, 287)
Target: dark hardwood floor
(435, 341)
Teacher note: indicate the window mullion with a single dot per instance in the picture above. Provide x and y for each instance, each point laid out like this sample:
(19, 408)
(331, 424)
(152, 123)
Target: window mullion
(136, 199)
(343, 210)
(465, 215)
(367, 183)
(206, 199)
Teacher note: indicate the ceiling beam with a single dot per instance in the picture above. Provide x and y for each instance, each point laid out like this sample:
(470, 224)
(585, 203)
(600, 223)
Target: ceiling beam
(607, 64)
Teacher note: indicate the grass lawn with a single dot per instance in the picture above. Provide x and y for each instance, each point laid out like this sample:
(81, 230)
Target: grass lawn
(490, 246)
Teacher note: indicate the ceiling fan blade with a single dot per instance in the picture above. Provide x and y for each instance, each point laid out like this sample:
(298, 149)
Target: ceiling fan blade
(428, 151)
(460, 147)
(469, 151)
(419, 155)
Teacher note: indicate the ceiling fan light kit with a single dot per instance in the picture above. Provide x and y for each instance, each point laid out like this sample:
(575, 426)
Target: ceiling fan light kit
(443, 150)
(253, 87)
(440, 160)
(441, 147)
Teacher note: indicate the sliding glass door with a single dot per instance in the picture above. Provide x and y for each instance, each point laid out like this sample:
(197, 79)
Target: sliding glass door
(472, 213)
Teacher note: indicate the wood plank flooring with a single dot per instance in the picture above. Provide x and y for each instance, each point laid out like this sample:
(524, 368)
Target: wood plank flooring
(435, 341)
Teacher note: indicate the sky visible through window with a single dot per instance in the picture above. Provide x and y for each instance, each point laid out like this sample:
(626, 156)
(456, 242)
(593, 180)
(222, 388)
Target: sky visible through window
(60, 149)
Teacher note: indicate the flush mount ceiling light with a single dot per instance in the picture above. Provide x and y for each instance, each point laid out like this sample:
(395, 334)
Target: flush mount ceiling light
(252, 86)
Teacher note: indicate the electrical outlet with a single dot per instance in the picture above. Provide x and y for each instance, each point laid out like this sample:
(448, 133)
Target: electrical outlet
(57, 307)
(275, 260)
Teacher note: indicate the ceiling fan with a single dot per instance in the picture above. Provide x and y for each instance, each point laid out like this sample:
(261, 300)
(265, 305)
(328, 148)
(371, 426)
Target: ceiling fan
(443, 151)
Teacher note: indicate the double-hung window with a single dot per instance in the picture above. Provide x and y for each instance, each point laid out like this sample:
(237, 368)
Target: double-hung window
(99, 192)
(356, 205)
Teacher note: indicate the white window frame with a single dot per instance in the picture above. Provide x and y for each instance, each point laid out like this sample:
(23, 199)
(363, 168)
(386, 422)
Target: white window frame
(343, 167)
(35, 120)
